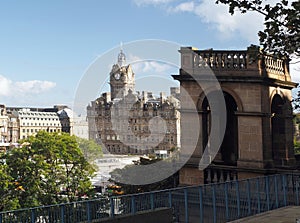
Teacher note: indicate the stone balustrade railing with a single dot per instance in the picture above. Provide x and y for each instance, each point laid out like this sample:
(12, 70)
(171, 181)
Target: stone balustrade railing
(219, 174)
(233, 60)
(221, 59)
(273, 65)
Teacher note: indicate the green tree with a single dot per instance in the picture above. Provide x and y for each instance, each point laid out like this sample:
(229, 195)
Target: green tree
(296, 100)
(7, 201)
(45, 165)
(297, 148)
(282, 23)
(119, 175)
(90, 149)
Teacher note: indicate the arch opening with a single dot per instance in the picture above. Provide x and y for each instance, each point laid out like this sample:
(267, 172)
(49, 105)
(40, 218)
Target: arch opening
(228, 152)
(278, 127)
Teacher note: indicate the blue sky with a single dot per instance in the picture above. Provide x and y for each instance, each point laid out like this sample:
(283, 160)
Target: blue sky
(47, 46)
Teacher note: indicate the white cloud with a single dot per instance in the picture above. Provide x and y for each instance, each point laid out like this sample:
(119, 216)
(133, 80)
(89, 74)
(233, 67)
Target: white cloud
(5, 86)
(34, 86)
(215, 15)
(141, 66)
(151, 2)
(23, 88)
(218, 17)
(295, 71)
(156, 67)
(183, 7)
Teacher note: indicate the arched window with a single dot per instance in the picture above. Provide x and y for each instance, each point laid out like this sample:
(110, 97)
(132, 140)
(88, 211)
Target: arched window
(278, 128)
(228, 152)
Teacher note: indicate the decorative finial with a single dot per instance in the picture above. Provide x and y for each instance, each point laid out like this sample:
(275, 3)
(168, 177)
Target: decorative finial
(121, 56)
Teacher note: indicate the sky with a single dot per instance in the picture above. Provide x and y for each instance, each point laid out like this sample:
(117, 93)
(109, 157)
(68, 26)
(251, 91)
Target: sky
(48, 47)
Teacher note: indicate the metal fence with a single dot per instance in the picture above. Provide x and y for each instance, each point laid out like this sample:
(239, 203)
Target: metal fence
(204, 204)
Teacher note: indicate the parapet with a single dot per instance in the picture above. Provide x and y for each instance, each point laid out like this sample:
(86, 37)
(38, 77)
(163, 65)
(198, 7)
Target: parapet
(249, 62)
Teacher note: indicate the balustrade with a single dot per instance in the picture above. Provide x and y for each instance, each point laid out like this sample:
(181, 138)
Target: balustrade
(273, 65)
(219, 174)
(221, 59)
(236, 60)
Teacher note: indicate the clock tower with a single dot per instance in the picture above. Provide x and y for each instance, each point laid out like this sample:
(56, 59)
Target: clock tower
(121, 78)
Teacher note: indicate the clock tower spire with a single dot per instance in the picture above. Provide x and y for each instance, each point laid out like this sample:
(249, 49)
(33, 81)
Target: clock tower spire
(121, 56)
(121, 77)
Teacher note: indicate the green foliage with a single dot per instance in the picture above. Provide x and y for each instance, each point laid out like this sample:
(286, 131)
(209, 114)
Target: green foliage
(7, 201)
(46, 165)
(296, 101)
(282, 23)
(90, 149)
(297, 118)
(119, 175)
(297, 148)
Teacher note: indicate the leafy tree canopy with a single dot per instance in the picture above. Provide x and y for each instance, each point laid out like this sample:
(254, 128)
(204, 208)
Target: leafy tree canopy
(282, 23)
(49, 168)
(119, 175)
(296, 101)
(90, 149)
(7, 201)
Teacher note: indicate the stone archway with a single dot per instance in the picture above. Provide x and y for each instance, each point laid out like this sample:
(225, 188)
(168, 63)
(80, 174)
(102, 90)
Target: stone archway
(228, 153)
(278, 127)
(254, 141)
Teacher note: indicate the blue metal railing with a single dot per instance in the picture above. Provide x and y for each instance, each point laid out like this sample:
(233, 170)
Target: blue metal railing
(207, 203)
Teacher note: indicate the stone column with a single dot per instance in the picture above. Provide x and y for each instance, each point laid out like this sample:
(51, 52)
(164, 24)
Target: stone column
(250, 141)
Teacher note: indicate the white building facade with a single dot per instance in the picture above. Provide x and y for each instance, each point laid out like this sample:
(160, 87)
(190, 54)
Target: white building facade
(30, 122)
(3, 125)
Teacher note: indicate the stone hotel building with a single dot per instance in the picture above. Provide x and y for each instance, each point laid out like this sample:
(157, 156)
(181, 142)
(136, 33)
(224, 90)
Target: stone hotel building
(120, 119)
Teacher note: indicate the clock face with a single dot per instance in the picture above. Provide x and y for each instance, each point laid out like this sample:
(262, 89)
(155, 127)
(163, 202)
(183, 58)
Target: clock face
(117, 76)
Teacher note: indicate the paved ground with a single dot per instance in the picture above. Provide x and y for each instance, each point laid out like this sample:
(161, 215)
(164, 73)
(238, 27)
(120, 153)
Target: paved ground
(288, 214)
(107, 164)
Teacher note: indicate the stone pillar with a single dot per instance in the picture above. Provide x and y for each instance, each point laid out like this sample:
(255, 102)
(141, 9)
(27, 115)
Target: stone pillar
(289, 158)
(191, 176)
(250, 141)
